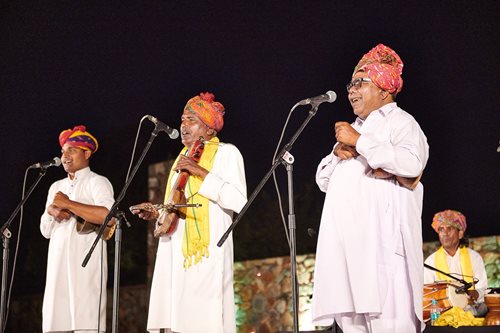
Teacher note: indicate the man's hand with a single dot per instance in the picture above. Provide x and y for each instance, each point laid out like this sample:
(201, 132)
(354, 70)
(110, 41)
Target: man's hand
(187, 164)
(61, 200)
(345, 152)
(473, 296)
(146, 214)
(344, 133)
(381, 174)
(57, 213)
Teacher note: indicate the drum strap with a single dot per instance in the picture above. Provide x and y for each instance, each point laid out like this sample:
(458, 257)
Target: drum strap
(465, 264)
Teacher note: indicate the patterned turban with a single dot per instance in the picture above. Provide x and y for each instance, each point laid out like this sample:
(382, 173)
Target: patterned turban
(80, 138)
(384, 67)
(210, 112)
(449, 217)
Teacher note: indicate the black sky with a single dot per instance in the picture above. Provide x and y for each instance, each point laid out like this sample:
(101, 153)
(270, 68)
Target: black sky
(106, 64)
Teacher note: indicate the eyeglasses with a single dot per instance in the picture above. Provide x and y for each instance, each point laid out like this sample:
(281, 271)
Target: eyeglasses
(357, 83)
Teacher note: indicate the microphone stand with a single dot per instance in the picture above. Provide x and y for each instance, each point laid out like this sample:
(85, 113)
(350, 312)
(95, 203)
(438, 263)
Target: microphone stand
(286, 158)
(6, 234)
(463, 282)
(114, 212)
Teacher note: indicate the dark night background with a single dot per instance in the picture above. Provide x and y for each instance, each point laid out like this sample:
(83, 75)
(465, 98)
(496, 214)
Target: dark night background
(107, 64)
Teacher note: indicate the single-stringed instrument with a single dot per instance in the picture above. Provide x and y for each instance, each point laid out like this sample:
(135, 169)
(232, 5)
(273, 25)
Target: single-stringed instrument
(175, 205)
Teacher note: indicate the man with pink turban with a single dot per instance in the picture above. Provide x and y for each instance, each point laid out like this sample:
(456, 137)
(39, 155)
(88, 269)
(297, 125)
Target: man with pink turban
(369, 274)
(192, 288)
(456, 258)
(75, 296)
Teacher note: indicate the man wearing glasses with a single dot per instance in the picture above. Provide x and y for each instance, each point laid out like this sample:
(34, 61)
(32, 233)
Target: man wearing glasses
(369, 263)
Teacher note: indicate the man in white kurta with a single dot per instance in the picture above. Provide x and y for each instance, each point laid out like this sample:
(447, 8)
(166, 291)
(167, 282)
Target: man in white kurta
(199, 297)
(75, 296)
(368, 275)
(451, 225)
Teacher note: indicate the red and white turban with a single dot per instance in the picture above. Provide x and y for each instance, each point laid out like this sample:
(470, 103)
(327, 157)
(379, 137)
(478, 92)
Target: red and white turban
(449, 217)
(384, 67)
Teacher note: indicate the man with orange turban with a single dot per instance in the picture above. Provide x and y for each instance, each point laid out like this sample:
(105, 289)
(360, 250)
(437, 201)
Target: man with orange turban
(75, 296)
(456, 258)
(192, 288)
(368, 275)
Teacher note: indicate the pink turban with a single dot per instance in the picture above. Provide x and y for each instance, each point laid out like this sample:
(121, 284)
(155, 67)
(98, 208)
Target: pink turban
(449, 217)
(80, 138)
(210, 112)
(384, 67)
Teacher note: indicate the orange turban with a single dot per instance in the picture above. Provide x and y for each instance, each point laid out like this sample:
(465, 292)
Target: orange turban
(449, 217)
(80, 138)
(210, 112)
(384, 67)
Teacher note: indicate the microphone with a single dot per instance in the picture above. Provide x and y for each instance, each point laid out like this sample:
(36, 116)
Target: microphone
(172, 132)
(464, 288)
(56, 161)
(329, 97)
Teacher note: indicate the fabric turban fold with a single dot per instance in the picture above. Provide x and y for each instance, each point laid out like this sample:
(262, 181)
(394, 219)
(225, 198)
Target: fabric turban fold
(449, 217)
(384, 67)
(210, 112)
(80, 138)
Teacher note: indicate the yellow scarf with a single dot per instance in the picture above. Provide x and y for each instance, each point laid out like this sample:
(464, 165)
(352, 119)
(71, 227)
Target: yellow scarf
(465, 264)
(197, 228)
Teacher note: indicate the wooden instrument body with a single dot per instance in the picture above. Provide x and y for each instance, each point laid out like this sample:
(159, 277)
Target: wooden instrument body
(167, 222)
(86, 227)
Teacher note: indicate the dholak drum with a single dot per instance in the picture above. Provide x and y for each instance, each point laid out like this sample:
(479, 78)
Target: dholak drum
(445, 295)
(493, 303)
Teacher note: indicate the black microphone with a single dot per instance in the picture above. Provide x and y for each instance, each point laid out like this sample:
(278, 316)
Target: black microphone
(329, 97)
(464, 288)
(56, 161)
(172, 132)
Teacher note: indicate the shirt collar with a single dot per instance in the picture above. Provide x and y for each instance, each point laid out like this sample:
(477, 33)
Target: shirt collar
(383, 111)
(79, 174)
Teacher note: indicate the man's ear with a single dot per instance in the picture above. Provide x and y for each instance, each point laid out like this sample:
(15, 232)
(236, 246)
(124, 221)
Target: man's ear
(384, 94)
(460, 234)
(87, 153)
(211, 132)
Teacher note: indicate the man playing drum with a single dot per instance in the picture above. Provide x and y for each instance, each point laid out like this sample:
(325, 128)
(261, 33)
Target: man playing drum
(454, 257)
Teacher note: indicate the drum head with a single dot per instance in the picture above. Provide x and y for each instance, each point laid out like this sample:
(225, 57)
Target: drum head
(461, 300)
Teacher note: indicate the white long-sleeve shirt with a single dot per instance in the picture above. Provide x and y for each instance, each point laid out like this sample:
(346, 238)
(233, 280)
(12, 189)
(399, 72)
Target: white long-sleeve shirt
(71, 298)
(366, 221)
(201, 298)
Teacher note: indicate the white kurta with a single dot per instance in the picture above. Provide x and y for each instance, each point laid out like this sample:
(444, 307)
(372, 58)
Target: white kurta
(371, 226)
(478, 270)
(201, 298)
(72, 292)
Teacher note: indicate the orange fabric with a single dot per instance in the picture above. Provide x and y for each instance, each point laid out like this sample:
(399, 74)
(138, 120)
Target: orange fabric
(210, 112)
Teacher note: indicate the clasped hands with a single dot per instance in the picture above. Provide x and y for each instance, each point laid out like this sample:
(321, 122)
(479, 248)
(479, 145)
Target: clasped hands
(58, 208)
(346, 137)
